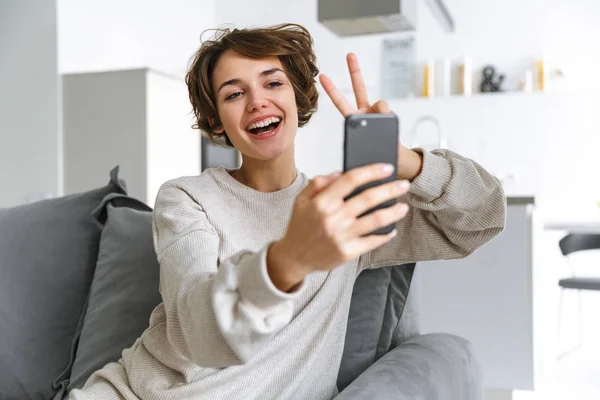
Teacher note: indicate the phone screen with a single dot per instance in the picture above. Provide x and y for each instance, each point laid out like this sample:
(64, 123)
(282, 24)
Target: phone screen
(370, 139)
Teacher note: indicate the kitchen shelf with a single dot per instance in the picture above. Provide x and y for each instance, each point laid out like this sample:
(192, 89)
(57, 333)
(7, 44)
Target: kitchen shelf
(475, 96)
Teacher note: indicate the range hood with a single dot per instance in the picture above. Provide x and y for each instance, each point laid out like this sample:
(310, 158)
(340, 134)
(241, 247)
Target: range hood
(361, 17)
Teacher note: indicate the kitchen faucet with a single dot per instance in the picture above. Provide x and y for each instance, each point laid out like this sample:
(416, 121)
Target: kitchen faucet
(442, 141)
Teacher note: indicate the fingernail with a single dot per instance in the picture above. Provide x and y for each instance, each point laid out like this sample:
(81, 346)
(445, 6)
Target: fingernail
(335, 174)
(402, 184)
(387, 167)
(393, 233)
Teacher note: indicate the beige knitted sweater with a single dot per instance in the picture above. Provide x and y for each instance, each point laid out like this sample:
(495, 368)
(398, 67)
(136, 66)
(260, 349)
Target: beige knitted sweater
(224, 331)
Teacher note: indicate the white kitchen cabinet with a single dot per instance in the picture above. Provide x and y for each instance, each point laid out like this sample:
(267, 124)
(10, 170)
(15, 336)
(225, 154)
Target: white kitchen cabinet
(487, 299)
(139, 119)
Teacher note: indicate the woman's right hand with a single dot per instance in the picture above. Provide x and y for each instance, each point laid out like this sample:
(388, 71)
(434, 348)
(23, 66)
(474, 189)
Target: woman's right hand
(325, 232)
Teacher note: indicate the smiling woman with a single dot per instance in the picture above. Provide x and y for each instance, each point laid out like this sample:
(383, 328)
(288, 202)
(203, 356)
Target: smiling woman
(258, 263)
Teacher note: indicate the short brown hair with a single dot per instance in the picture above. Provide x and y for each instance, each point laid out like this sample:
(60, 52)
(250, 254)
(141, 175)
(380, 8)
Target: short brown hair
(293, 45)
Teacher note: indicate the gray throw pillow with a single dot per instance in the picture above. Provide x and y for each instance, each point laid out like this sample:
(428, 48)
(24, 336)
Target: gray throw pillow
(48, 252)
(124, 289)
(376, 320)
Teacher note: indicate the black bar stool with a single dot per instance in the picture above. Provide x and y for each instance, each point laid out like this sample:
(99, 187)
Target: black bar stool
(572, 243)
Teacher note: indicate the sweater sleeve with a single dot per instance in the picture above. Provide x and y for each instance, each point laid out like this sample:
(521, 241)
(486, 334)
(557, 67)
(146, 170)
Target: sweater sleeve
(219, 313)
(456, 206)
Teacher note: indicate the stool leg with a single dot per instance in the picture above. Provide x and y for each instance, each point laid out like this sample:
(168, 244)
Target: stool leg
(579, 298)
(580, 315)
(560, 307)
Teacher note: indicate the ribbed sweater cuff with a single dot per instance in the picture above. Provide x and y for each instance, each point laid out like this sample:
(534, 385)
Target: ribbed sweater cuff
(256, 286)
(434, 177)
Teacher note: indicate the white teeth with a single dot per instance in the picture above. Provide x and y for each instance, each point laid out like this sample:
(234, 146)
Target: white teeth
(264, 122)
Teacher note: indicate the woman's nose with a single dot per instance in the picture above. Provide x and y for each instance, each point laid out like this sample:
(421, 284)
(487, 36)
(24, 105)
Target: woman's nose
(256, 101)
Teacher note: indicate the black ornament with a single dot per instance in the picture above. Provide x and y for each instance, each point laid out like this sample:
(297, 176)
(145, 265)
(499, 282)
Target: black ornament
(489, 82)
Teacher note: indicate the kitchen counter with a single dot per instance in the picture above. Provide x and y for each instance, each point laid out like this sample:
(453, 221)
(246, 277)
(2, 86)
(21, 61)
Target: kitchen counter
(519, 200)
(580, 220)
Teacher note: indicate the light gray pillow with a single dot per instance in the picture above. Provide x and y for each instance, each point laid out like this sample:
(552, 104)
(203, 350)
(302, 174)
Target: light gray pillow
(124, 289)
(431, 366)
(48, 252)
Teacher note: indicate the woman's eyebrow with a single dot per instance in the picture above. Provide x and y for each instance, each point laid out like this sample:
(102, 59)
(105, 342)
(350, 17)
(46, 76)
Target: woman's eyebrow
(236, 81)
(270, 71)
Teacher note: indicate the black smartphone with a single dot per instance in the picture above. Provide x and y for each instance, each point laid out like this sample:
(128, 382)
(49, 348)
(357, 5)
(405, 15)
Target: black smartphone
(371, 139)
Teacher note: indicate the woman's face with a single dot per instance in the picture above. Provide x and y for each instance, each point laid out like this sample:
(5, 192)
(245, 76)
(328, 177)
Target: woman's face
(256, 105)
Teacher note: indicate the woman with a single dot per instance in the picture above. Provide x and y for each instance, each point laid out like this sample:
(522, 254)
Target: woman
(258, 263)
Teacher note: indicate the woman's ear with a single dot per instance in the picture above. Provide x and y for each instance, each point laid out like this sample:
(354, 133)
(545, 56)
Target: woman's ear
(216, 129)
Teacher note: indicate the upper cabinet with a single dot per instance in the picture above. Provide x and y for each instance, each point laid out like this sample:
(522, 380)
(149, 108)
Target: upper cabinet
(139, 119)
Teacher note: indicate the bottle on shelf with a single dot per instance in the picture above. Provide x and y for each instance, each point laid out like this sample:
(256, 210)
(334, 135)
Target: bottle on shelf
(444, 78)
(542, 74)
(465, 74)
(429, 79)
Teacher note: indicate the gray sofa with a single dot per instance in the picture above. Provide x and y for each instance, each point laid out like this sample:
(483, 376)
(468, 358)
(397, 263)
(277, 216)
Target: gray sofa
(79, 279)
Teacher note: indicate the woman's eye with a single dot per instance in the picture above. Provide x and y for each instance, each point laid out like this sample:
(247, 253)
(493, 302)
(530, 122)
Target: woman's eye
(233, 96)
(274, 84)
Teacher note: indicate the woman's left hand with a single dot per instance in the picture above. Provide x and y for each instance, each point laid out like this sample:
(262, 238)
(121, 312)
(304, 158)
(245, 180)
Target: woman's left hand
(409, 162)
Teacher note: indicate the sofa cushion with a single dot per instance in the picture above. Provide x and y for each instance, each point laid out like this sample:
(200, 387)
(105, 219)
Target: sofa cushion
(379, 318)
(432, 366)
(48, 252)
(124, 288)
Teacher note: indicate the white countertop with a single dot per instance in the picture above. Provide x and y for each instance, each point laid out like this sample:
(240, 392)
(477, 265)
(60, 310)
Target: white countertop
(580, 220)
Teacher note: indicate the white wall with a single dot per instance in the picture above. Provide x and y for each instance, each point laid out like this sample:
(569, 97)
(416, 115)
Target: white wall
(97, 35)
(29, 102)
(547, 140)
(172, 146)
